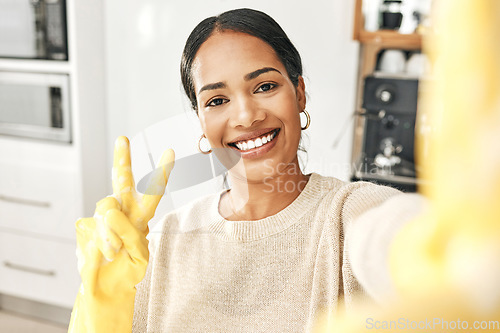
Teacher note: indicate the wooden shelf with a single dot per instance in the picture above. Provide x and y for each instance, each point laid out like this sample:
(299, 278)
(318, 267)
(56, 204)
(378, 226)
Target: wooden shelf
(373, 42)
(383, 38)
(391, 39)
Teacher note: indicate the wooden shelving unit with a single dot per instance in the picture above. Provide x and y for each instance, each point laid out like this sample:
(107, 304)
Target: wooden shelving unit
(371, 44)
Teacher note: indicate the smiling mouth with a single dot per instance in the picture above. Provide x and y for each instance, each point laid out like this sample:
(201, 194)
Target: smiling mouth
(255, 143)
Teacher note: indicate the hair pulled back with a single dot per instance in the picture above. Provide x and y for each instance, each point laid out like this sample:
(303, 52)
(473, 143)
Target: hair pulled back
(249, 21)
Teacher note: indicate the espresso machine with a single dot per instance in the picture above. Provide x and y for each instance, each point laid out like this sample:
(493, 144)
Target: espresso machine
(386, 131)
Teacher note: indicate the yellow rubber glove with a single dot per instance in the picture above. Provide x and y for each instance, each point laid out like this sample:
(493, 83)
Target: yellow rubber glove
(455, 246)
(113, 249)
(446, 263)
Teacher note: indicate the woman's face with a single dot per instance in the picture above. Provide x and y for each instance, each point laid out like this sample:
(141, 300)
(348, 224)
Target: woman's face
(247, 103)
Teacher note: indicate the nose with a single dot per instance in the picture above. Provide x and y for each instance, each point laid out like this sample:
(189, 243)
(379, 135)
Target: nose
(246, 112)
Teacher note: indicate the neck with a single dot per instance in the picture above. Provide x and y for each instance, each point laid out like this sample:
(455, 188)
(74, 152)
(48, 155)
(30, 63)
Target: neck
(255, 200)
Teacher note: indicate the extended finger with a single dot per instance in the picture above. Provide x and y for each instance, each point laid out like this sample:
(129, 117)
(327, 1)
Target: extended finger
(122, 178)
(134, 241)
(157, 182)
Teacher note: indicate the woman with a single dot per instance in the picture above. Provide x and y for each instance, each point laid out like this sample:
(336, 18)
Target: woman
(267, 255)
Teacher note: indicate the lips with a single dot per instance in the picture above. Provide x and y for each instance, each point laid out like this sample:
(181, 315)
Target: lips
(254, 139)
(253, 135)
(263, 145)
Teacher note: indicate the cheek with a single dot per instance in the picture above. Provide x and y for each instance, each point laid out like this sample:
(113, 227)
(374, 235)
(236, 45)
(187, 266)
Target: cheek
(213, 127)
(292, 117)
(289, 111)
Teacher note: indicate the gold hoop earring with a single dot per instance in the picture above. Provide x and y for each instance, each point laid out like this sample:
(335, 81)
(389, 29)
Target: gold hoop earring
(199, 147)
(308, 120)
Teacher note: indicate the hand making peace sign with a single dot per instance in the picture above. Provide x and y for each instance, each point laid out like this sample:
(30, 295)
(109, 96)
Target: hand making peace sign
(112, 247)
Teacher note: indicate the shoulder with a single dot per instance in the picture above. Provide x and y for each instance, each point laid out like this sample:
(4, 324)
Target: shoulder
(358, 197)
(324, 186)
(189, 217)
(362, 191)
(351, 199)
(198, 208)
(352, 193)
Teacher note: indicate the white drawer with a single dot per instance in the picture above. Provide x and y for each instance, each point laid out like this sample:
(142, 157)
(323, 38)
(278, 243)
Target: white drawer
(38, 199)
(38, 269)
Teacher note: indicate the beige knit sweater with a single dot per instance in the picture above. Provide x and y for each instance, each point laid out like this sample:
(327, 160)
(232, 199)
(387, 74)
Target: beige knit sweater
(278, 274)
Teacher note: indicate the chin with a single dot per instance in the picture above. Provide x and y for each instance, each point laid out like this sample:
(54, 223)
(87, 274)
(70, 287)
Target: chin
(268, 168)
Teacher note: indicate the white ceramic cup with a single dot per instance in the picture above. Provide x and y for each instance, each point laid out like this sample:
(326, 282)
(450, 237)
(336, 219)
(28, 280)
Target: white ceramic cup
(417, 64)
(393, 61)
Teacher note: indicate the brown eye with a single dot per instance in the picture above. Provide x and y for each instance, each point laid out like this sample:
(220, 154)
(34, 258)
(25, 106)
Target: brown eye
(217, 102)
(266, 87)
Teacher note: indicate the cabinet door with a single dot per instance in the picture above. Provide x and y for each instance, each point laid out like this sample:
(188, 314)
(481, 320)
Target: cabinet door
(38, 199)
(38, 269)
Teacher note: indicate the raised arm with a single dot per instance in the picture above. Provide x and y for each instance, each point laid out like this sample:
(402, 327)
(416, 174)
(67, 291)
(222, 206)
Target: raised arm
(112, 247)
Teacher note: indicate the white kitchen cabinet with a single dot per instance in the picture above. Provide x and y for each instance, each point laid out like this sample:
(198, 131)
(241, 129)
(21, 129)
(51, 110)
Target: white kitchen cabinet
(44, 185)
(39, 269)
(38, 199)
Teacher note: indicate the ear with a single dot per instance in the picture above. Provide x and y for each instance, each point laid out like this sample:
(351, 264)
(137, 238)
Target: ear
(301, 94)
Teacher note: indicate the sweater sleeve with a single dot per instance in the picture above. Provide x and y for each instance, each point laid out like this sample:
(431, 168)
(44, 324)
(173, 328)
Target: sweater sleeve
(369, 236)
(357, 198)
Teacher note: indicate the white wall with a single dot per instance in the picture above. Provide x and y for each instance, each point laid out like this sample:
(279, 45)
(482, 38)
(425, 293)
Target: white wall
(144, 45)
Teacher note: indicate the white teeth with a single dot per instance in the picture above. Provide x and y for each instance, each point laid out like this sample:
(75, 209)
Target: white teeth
(250, 144)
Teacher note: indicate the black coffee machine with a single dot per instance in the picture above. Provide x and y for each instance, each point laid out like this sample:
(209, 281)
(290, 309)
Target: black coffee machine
(387, 149)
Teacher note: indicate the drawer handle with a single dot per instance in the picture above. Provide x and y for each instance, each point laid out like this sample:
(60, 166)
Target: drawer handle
(28, 269)
(25, 201)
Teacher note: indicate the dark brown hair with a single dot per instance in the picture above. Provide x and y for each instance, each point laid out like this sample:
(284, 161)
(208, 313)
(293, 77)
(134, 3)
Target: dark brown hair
(249, 21)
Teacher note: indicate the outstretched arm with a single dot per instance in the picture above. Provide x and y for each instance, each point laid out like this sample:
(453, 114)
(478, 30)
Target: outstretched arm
(370, 238)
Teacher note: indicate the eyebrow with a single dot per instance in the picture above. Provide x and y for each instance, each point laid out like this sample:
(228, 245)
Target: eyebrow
(247, 77)
(212, 86)
(254, 74)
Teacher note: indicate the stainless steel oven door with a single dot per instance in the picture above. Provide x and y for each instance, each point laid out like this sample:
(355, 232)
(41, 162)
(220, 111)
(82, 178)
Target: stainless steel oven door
(35, 106)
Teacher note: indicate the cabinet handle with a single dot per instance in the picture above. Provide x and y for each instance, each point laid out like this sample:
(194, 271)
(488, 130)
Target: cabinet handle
(22, 201)
(28, 269)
